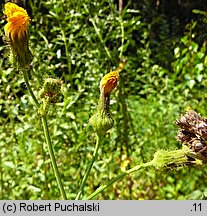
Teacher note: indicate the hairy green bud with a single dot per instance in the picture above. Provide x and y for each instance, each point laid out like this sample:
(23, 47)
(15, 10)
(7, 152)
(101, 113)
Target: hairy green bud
(20, 54)
(49, 93)
(51, 89)
(164, 159)
(101, 122)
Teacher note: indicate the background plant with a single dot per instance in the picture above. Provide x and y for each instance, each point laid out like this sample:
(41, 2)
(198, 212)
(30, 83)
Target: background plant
(165, 74)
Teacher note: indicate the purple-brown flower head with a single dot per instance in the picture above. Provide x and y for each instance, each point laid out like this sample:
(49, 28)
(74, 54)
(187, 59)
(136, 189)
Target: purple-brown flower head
(193, 133)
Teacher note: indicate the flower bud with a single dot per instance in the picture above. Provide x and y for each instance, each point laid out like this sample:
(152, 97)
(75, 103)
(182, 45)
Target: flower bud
(51, 90)
(49, 93)
(164, 159)
(101, 122)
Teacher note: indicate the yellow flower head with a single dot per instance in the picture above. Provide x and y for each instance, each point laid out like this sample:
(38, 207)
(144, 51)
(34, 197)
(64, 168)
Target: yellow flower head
(16, 35)
(18, 20)
(109, 82)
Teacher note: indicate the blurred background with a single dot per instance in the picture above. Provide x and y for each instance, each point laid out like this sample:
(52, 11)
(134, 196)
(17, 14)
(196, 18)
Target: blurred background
(164, 42)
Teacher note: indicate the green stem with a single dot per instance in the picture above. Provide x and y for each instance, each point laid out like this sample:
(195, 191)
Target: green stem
(95, 153)
(66, 51)
(101, 39)
(122, 36)
(47, 136)
(25, 74)
(64, 38)
(52, 156)
(104, 186)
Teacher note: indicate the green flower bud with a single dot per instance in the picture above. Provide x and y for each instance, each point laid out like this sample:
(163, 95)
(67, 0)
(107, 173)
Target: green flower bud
(101, 122)
(49, 93)
(51, 90)
(20, 56)
(164, 159)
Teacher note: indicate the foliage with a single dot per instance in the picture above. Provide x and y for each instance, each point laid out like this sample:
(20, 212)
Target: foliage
(79, 42)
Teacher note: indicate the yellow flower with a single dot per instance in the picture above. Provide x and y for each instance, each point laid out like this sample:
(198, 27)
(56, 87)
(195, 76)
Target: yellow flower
(16, 34)
(18, 20)
(109, 82)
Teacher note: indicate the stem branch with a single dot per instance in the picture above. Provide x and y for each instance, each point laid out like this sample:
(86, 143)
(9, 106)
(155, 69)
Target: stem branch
(104, 186)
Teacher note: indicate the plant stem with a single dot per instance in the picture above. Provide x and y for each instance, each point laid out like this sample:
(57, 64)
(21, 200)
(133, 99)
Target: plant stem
(25, 74)
(52, 156)
(95, 153)
(66, 53)
(101, 39)
(122, 36)
(47, 136)
(104, 186)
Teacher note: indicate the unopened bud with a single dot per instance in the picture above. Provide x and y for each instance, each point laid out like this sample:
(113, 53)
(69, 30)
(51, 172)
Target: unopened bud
(101, 122)
(51, 90)
(164, 159)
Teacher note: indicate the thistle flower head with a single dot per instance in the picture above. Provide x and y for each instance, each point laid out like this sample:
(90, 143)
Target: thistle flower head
(16, 34)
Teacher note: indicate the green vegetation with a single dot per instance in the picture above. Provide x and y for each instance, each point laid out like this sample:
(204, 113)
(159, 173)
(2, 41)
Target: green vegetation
(79, 42)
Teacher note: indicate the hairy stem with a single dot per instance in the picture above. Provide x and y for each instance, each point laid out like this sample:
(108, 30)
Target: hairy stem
(104, 186)
(52, 157)
(25, 74)
(95, 153)
(47, 136)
